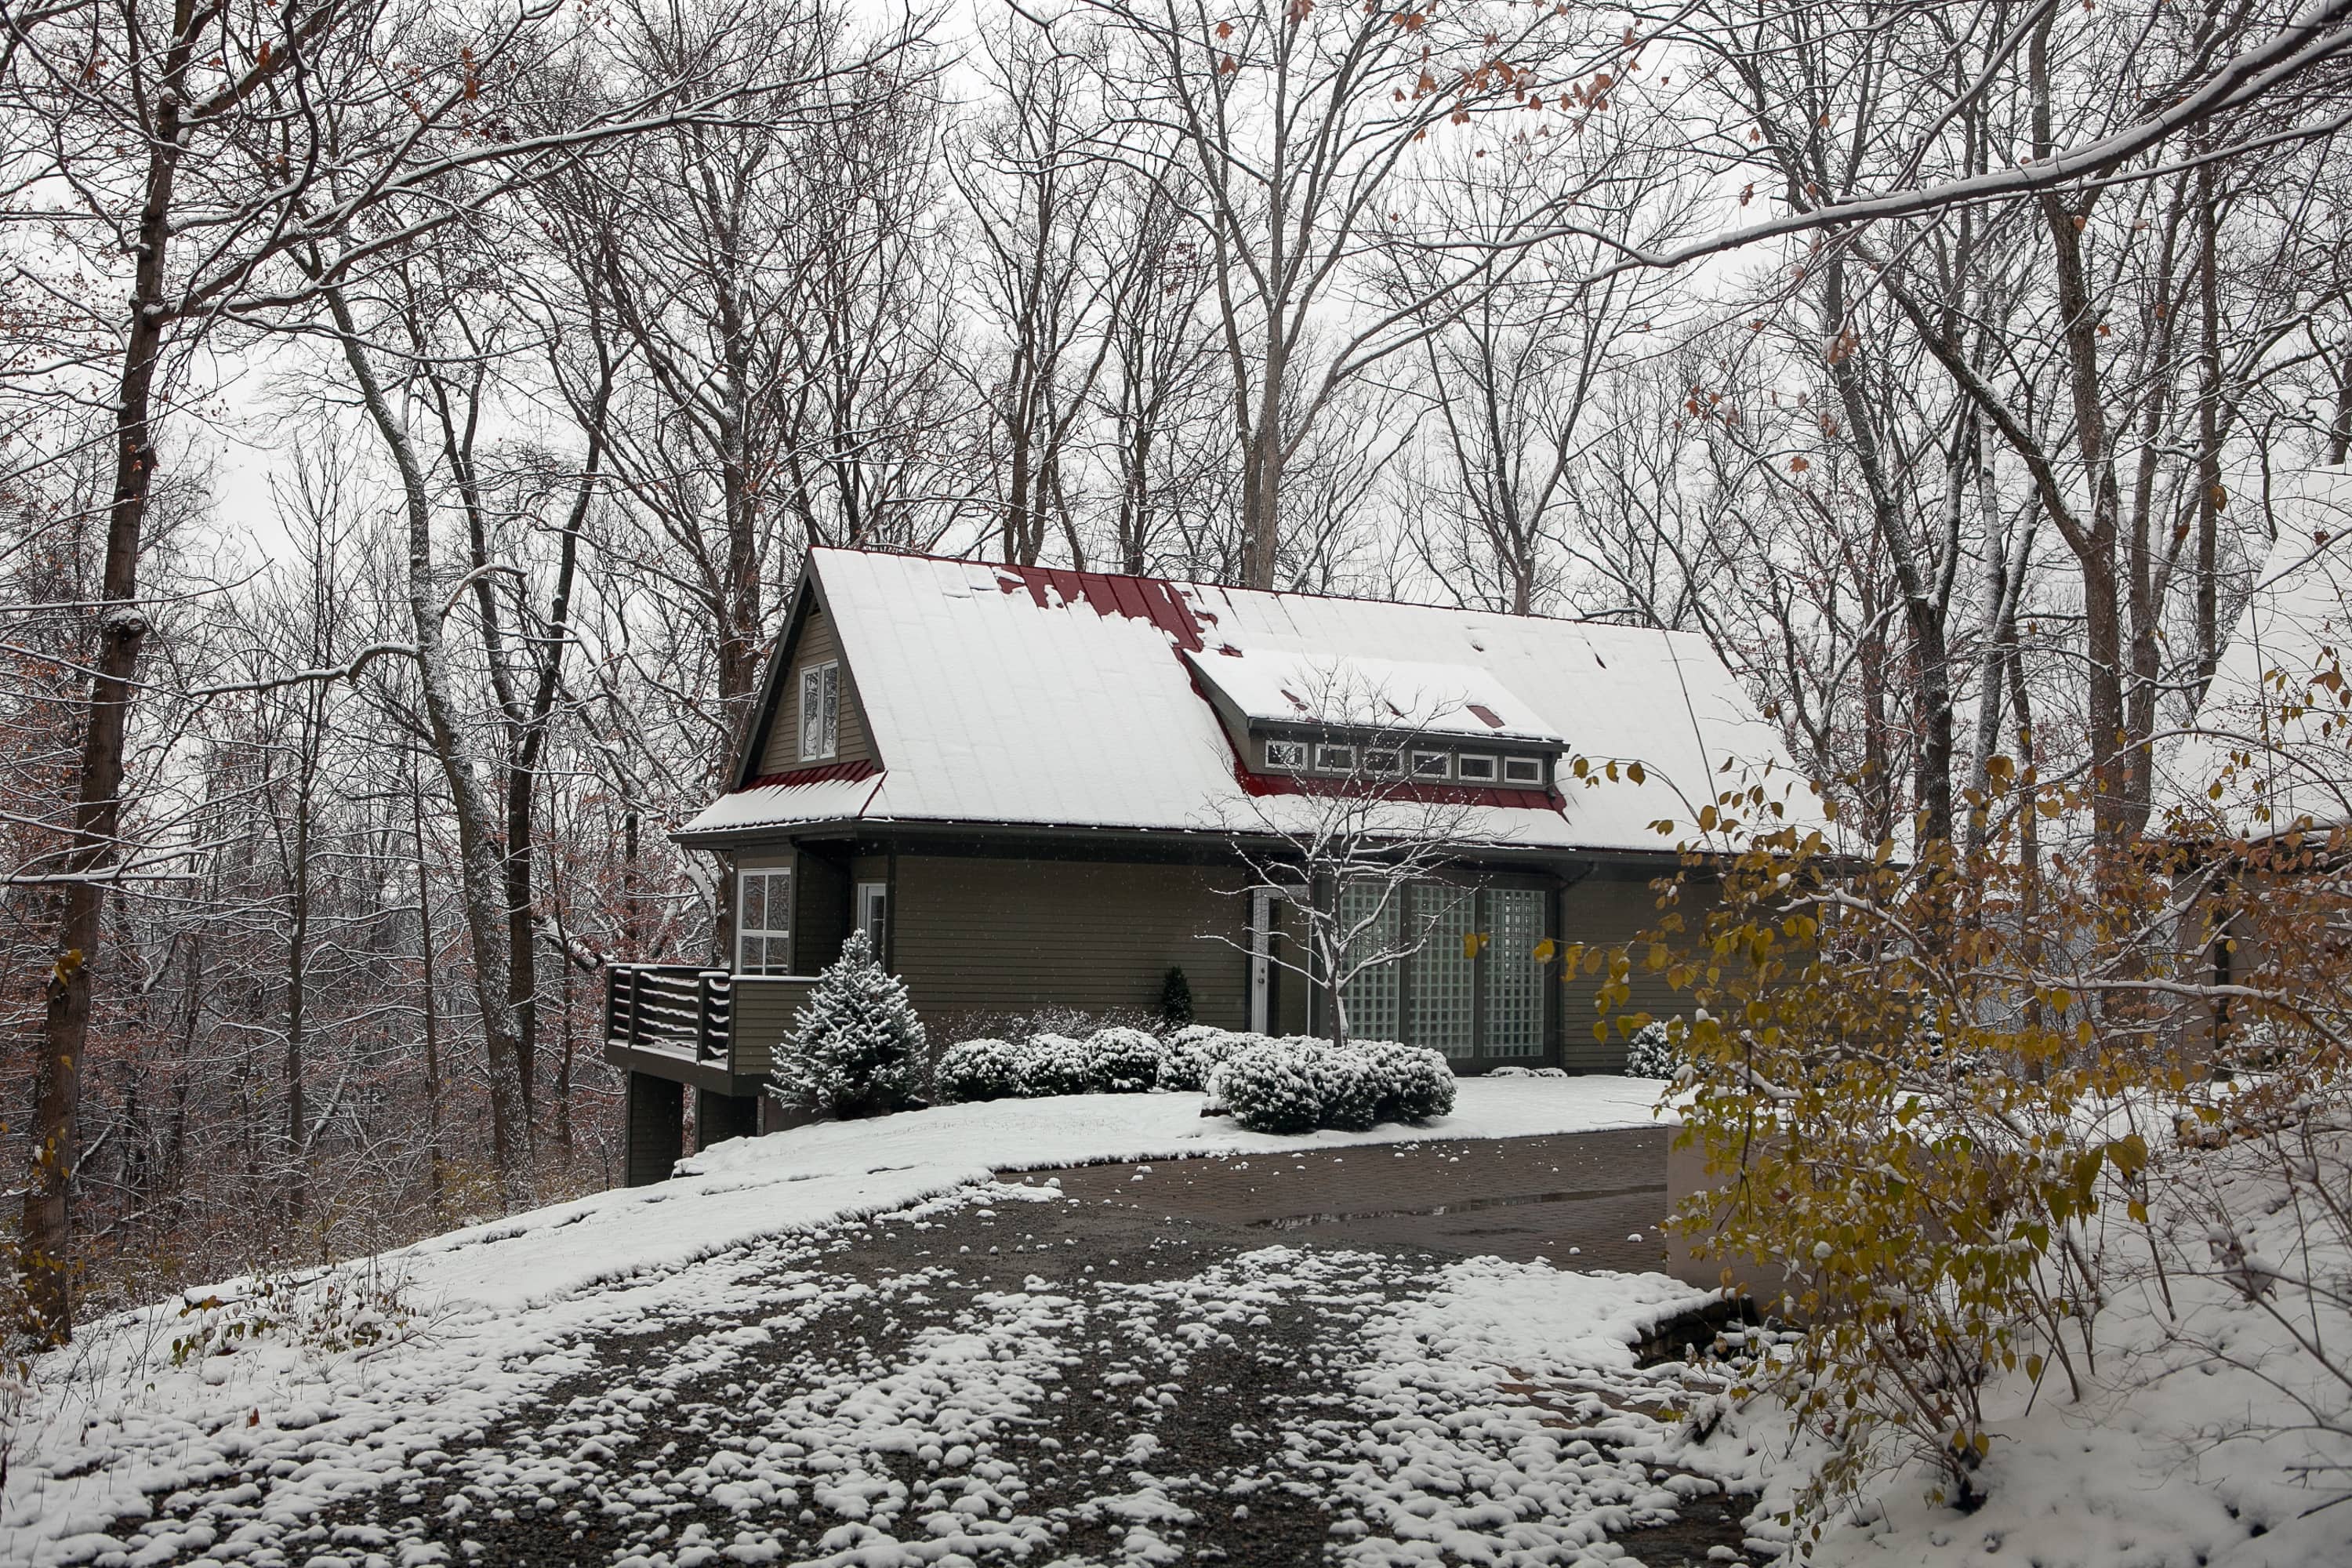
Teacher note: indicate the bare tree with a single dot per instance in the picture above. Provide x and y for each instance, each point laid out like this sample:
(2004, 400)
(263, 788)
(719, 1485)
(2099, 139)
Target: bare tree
(1344, 846)
(1297, 127)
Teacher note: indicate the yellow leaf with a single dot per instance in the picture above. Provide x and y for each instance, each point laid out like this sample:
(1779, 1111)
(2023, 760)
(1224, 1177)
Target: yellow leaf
(1545, 949)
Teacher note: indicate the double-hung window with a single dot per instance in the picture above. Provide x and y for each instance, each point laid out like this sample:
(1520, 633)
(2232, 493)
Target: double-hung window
(763, 920)
(820, 711)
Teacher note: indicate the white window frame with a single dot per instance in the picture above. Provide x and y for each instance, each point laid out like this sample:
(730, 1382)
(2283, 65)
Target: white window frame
(1325, 750)
(1440, 772)
(1295, 762)
(874, 918)
(1535, 770)
(1395, 767)
(1464, 763)
(821, 711)
(772, 879)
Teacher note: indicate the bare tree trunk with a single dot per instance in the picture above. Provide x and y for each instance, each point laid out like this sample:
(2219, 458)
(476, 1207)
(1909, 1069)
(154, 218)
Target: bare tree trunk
(46, 1238)
(1922, 615)
(2208, 435)
(298, 946)
(432, 1000)
(481, 875)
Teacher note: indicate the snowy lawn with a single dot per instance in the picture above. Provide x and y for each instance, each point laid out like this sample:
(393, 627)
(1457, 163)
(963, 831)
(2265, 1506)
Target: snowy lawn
(429, 1348)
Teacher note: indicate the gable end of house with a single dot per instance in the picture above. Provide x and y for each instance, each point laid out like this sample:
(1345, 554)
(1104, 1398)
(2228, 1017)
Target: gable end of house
(779, 739)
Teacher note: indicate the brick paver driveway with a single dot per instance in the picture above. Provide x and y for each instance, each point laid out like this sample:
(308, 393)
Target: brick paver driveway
(1583, 1200)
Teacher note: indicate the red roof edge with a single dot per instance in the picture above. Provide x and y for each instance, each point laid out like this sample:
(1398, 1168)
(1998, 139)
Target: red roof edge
(823, 772)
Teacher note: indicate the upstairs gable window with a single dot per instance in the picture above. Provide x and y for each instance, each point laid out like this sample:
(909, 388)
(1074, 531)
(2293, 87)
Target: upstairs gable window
(1525, 771)
(819, 712)
(1287, 756)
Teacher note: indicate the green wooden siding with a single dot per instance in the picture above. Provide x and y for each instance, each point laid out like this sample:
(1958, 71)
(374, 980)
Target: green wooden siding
(763, 1013)
(977, 935)
(1612, 906)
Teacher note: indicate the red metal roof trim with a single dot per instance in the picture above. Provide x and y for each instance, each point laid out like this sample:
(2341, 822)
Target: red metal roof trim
(1417, 793)
(1152, 599)
(823, 772)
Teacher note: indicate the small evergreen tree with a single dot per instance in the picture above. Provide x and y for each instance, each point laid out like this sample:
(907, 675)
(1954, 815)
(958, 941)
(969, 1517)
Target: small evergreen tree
(1176, 998)
(856, 1048)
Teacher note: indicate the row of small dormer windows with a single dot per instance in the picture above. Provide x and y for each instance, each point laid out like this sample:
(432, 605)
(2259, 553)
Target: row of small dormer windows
(1346, 759)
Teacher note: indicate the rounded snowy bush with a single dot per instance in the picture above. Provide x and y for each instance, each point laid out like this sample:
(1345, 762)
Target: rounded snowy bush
(1415, 1082)
(1649, 1054)
(1298, 1084)
(1122, 1061)
(1052, 1064)
(975, 1070)
(1195, 1052)
(1272, 1086)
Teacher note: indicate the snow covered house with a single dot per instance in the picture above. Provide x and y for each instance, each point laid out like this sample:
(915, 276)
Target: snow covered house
(2259, 787)
(1034, 786)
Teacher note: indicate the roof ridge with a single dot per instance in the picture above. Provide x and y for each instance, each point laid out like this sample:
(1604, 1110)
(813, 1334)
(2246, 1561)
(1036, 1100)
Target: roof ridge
(1239, 588)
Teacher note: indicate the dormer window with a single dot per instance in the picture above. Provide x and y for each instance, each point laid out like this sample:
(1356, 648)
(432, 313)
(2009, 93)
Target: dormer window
(1285, 756)
(1525, 771)
(1331, 759)
(1432, 766)
(1383, 761)
(1474, 769)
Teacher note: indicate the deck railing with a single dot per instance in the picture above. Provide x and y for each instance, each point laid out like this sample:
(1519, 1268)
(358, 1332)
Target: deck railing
(671, 1008)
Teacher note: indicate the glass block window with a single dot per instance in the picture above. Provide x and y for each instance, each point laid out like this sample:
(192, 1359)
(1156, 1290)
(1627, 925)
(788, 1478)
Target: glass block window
(1371, 996)
(763, 921)
(1444, 970)
(1515, 987)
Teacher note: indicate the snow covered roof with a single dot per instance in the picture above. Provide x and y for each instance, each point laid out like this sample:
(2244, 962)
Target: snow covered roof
(1300, 686)
(2271, 765)
(1057, 698)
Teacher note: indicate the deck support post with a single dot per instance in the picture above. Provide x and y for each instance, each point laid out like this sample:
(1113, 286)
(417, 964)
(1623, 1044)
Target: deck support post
(654, 1128)
(717, 1117)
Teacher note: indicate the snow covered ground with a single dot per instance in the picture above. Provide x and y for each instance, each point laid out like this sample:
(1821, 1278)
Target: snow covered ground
(426, 1346)
(745, 1365)
(2206, 1437)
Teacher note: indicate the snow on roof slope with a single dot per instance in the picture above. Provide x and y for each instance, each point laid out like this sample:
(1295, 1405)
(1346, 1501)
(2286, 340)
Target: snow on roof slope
(1000, 695)
(1293, 685)
(2298, 620)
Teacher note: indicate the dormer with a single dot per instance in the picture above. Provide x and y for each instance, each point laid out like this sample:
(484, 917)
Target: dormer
(1340, 717)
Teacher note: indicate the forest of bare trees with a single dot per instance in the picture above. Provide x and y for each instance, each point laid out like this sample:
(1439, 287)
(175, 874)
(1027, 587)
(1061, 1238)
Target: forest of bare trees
(412, 416)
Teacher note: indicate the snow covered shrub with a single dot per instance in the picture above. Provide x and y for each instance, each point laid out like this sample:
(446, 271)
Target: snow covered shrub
(1527, 1072)
(975, 1070)
(1298, 1084)
(1273, 1086)
(856, 1048)
(1415, 1082)
(1122, 1061)
(1649, 1053)
(1052, 1064)
(1110, 1061)
(1194, 1053)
